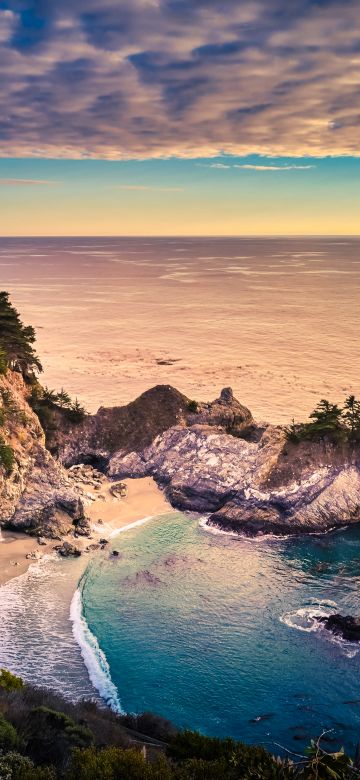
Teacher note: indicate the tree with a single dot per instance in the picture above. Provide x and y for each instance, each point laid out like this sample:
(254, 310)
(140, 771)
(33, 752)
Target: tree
(16, 339)
(49, 396)
(63, 398)
(351, 415)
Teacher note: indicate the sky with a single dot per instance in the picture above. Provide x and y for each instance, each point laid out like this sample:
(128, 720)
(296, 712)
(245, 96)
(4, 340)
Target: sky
(160, 117)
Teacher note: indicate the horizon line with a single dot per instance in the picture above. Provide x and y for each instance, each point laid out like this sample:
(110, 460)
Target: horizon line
(183, 235)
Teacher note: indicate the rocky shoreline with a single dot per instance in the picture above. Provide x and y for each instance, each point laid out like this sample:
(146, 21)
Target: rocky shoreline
(212, 458)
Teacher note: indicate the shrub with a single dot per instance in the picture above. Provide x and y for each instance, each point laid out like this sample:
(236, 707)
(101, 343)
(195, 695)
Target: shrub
(192, 406)
(7, 457)
(51, 735)
(9, 681)
(116, 764)
(8, 735)
(3, 362)
(13, 766)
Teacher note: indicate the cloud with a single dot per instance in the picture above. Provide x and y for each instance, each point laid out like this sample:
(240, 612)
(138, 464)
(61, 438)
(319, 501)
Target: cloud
(156, 78)
(220, 166)
(249, 167)
(27, 183)
(145, 188)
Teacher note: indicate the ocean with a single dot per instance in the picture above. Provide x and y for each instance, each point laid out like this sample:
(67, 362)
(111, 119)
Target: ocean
(214, 632)
(275, 318)
(211, 631)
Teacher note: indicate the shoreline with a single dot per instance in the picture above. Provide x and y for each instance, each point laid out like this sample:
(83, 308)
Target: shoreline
(108, 516)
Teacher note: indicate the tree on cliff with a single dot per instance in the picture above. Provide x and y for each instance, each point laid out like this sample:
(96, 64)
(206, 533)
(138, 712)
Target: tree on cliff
(16, 339)
(351, 416)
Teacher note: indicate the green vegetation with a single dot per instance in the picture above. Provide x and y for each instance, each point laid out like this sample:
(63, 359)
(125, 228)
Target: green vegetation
(192, 406)
(46, 403)
(9, 681)
(45, 737)
(16, 341)
(7, 457)
(3, 362)
(329, 422)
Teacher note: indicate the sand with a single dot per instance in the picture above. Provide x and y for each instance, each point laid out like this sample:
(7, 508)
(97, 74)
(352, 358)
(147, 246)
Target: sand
(143, 499)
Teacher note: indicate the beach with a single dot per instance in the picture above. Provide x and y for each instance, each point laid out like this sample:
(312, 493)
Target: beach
(143, 499)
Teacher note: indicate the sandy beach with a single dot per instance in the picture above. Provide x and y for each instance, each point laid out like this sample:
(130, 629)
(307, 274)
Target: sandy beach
(107, 514)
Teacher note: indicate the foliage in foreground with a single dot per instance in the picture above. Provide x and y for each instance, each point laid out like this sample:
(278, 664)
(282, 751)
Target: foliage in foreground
(338, 424)
(44, 737)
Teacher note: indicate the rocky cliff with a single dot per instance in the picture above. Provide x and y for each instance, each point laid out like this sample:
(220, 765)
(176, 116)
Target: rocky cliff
(35, 493)
(209, 457)
(214, 458)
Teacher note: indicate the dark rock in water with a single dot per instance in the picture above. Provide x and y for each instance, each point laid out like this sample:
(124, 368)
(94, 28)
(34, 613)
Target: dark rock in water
(115, 553)
(347, 627)
(67, 550)
(259, 718)
(144, 577)
(104, 541)
(352, 701)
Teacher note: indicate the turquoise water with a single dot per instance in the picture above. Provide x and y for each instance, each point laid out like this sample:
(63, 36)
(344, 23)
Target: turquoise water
(216, 632)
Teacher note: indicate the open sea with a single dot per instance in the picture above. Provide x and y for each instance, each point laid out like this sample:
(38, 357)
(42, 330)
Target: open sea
(214, 632)
(275, 318)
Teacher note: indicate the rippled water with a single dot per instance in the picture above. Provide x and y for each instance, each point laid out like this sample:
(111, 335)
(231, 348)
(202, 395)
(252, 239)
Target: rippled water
(275, 318)
(215, 632)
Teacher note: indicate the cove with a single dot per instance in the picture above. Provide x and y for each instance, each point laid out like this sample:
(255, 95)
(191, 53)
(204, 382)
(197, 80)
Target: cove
(219, 633)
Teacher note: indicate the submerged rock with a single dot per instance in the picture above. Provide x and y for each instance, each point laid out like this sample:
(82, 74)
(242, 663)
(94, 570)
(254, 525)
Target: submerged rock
(347, 627)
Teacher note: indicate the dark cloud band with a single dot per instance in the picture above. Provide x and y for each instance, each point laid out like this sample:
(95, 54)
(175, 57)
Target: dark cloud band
(151, 78)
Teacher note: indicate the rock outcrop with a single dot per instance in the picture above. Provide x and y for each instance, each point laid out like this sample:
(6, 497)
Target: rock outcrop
(209, 457)
(346, 626)
(35, 494)
(132, 428)
(213, 458)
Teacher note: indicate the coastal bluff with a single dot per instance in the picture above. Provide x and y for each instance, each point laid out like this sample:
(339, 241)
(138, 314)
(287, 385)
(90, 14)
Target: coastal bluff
(36, 495)
(209, 457)
(214, 458)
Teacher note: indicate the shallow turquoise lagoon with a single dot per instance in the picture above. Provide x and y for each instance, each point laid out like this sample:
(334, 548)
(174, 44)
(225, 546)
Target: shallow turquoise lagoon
(219, 633)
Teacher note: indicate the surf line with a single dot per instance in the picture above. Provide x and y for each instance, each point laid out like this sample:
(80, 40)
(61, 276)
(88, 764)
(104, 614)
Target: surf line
(93, 656)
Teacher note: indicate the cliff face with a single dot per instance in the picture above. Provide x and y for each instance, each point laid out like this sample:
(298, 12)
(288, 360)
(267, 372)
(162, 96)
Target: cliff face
(213, 458)
(35, 493)
(209, 457)
(132, 428)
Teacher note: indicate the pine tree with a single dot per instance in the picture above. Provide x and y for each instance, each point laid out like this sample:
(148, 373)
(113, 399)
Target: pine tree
(16, 339)
(351, 415)
(63, 398)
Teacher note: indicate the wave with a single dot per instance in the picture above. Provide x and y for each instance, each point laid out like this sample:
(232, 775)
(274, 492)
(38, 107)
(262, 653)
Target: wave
(263, 537)
(135, 524)
(306, 619)
(94, 658)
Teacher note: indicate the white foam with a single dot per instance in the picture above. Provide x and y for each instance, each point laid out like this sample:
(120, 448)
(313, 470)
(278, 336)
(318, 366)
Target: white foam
(306, 619)
(94, 658)
(135, 524)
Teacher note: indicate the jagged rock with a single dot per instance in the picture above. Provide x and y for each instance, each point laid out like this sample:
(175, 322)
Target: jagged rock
(37, 496)
(134, 427)
(67, 550)
(119, 490)
(347, 627)
(83, 527)
(209, 457)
